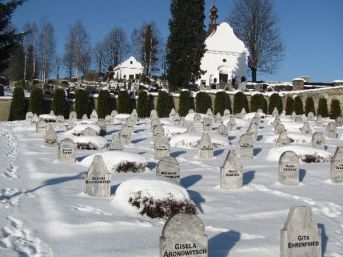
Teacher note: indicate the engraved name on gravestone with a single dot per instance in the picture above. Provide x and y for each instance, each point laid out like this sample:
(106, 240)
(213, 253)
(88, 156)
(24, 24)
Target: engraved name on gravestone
(223, 130)
(246, 146)
(205, 146)
(66, 150)
(197, 118)
(331, 131)
(184, 235)
(168, 167)
(29, 116)
(98, 179)
(283, 139)
(306, 129)
(336, 170)
(41, 127)
(300, 236)
(50, 137)
(231, 173)
(161, 147)
(116, 144)
(318, 140)
(289, 168)
(125, 134)
(207, 125)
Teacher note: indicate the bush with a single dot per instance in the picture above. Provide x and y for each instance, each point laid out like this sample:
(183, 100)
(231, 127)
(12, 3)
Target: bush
(161, 208)
(18, 105)
(298, 105)
(81, 103)
(36, 104)
(203, 102)
(163, 104)
(185, 102)
(335, 109)
(289, 105)
(258, 101)
(309, 105)
(275, 101)
(323, 107)
(104, 104)
(126, 166)
(143, 108)
(221, 102)
(58, 102)
(312, 158)
(123, 104)
(240, 101)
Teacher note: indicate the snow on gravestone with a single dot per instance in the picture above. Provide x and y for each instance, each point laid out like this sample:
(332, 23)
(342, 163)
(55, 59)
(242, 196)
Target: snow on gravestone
(331, 130)
(158, 131)
(319, 121)
(252, 129)
(289, 168)
(98, 179)
(226, 113)
(283, 139)
(280, 128)
(154, 123)
(125, 134)
(50, 137)
(29, 116)
(318, 140)
(306, 129)
(94, 115)
(197, 118)
(102, 124)
(114, 113)
(191, 128)
(116, 144)
(168, 167)
(207, 125)
(153, 114)
(161, 147)
(72, 115)
(277, 120)
(184, 235)
(89, 132)
(223, 130)
(275, 112)
(209, 112)
(66, 150)
(232, 125)
(71, 124)
(35, 118)
(246, 146)
(300, 236)
(218, 118)
(231, 173)
(41, 127)
(205, 146)
(337, 166)
(60, 119)
(172, 113)
(339, 121)
(191, 111)
(176, 118)
(84, 117)
(109, 120)
(310, 116)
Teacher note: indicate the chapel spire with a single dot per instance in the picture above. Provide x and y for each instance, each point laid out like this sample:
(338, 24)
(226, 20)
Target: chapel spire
(213, 16)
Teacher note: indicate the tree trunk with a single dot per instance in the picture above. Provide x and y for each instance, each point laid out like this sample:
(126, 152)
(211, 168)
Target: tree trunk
(253, 74)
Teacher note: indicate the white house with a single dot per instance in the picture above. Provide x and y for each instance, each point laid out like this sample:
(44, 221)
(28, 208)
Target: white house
(226, 57)
(129, 69)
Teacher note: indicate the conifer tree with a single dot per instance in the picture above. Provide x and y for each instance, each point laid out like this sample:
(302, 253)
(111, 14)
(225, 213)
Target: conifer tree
(203, 102)
(221, 102)
(163, 105)
(289, 105)
(240, 101)
(36, 104)
(123, 104)
(298, 105)
(258, 101)
(18, 105)
(309, 105)
(81, 103)
(335, 109)
(323, 107)
(58, 102)
(143, 108)
(275, 101)
(185, 102)
(104, 104)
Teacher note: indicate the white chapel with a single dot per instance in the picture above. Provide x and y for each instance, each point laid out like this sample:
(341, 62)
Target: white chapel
(129, 69)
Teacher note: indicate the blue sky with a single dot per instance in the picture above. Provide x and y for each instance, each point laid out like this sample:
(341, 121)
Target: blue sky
(312, 30)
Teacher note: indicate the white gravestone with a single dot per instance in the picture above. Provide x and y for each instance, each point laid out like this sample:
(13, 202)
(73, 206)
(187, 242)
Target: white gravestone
(168, 167)
(232, 125)
(109, 120)
(176, 118)
(227, 113)
(218, 118)
(205, 146)
(84, 117)
(158, 131)
(289, 168)
(98, 179)
(116, 144)
(172, 113)
(114, 113)
(318, 140)
(71, 124)
(207, 125)
(72, 115)
(223, 130)
(50, 137)
(339, 121)
(231, 173)
(283, 139)
(66, 150)
(94, 115)
(184, 235)
(154, 123)
(300, 236)
(161, 147)
(252, 129)
(125, 135)
(197, 118)
(310, 116)
(275, 112)
(319, 121)
(306, 129)
(35, 118)
(41, 127)
(280, 128)
(246, 146)
(89, 132)
(209, 112)
(29, 116)
(191, 111)
(60, 119)
(337, 166)
(153, 114)
(191, 128)
(102, 124)
(331, 131)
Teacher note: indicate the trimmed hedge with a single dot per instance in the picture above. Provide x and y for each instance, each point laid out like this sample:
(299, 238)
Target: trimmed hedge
(203, 102)
(289, 105)
(163, 106)
(59, 102)
(298, 105)
(323, 107)
(185, 102)
(258, 101)
(104, 104)
(36, 103)
(123, 104)
(81, 103)
(240, 101)
(221, 102)
(143, 108)
(275, 101)
(309, 105)
(18, 106)
(335, 109)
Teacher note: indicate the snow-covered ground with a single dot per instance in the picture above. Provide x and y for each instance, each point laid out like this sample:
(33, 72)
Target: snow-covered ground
(44, 211)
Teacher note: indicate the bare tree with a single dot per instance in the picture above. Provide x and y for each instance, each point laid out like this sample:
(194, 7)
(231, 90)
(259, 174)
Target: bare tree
(255, 24)
(116, 46)
(99, 57)
(30, 46)
(146, 43)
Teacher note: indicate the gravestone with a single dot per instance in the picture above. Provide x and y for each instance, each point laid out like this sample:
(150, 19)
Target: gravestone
(125, 135)
(71, 124)
(318, 140)
(89, 132)
(319, 121)
(98, 179)
(241, 114)
(223, 130)
(184, 235)
(130, 123)
(66, 150)
(35, 119)
(337, 166)
(191, 128)
(94, 115)
(205, 146)
(209, 112)
(289, 168)
(300, 236)
(231, 173)
(306, 129)
(29, 116)
(207, 125)
(331, 131)
(275, 112)
(168, 167)
(109, 120)
(84, 117)
(298, 118)
(102, 124)
(60, 119)
(283, 139)
(227, 113)
(161, 147)
(153, 114)
(232, 125)
(114, 113)
(218, 118)
(52, 113)
(246, 146)
(134, 114)
(116, 144)
(176, 118)
(339, 121)
(72, 115)
(280, 128)
(172, 113)
(293, 115)
(197, 118)
(154, 123)
(252, 129)
(277, 120)
(158, 131)
(41, 127)
(191, 111)
(310, 116)
(50, 137)
(256, 120)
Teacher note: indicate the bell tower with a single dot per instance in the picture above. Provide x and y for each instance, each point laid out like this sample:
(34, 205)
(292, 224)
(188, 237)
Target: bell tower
(212, 27)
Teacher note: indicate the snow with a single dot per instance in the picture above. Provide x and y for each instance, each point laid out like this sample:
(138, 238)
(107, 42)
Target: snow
(97, 141)
(78, 129)
(190, 140)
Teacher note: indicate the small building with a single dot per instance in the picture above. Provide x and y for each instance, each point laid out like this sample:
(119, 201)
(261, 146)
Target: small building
(129, 70)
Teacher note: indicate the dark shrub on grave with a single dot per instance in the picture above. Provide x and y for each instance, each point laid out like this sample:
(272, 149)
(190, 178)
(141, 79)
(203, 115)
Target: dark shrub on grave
(309, 105)
(1, 90)
(312, 158)
(143, 108)
(123, 104)
(240, 101)
(126, 166)
(289, 105)
(86, 146)
(298, 105)
(81, 103)
(221, 102)
(161, 208)
(185, 102)
(59, 102)
(104, 104)
(323, 107)
(36, 103)
(275, 101)
(163, 104)
(335, 109)
(18, 106)
(258, 101)
(203, 102)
